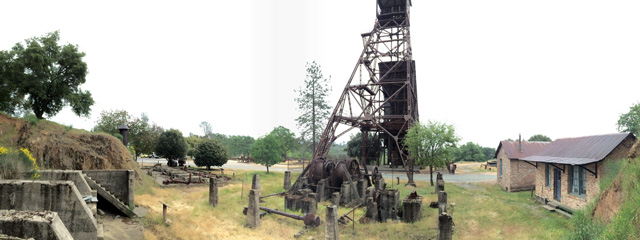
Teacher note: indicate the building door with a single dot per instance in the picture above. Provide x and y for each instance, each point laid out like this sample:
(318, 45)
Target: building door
(557, 180)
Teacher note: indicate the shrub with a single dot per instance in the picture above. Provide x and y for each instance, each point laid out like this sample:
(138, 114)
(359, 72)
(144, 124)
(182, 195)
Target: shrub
(14, 163)
(210, 153)
(32, 119)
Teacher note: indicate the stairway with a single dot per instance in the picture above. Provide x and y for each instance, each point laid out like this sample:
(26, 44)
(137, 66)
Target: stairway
(104, 193)
(554, 206)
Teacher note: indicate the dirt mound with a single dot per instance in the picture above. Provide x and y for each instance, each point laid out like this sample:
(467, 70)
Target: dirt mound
(59, 147)
(609, 202)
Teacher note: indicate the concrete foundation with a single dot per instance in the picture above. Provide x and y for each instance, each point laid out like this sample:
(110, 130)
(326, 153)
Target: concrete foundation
(322, 190)
(335, 199)
(412, 209)
(388, 205)
(213, 192)
(331, 224)
(253, 212)
(287, 180)
(255, 183)
(345, 194)
(117, 182)
(56, 196)
(44, 225)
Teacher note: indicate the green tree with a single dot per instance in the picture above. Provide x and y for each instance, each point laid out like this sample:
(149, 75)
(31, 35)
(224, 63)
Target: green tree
(313, 105)
(266, 151)
(11, 99)
(210, 152)
(539, 138)
(431, 145)
(354, 147)
(171, 145)
(469, 152)
(239, 145)
(489, 153)
(50, 76)
(143, 135)
(286, 140)
(630, 121)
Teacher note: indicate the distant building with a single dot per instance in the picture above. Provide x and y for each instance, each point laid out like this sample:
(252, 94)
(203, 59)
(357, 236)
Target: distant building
(568, 170)
(513, 174)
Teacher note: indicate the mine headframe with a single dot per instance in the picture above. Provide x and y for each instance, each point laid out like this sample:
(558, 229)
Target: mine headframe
(380, 96)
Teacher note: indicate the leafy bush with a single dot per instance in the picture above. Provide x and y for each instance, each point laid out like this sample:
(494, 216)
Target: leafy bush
(171, 145)
(32, 119)
(13, 163)
(209, 153)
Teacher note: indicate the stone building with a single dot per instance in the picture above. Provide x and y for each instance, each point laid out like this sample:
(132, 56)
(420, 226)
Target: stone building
(569, 169)
(513, 174)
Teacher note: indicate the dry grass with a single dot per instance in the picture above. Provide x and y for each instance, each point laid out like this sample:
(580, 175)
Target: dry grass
(482, 211)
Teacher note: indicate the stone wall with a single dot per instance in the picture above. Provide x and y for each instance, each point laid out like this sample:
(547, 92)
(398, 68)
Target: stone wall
(118, 182)
(55, 196)
(45, 225)
(516, 175)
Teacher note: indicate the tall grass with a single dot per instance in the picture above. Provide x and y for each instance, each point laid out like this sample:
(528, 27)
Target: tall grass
(626, 223)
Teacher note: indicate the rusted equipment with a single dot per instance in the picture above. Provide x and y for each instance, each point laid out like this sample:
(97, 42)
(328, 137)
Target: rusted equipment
(309, 219)
(274, 194)
(172, 180)
(344, 217)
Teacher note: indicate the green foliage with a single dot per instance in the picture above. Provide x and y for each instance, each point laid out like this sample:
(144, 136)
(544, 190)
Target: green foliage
(47, 74)
(432, 144)
(118, 136)
(630, 121)
(337, 151)
(286, 140)
(32, 119)
(209, 153)
(192, 152)
(171, 145)
(239, 145)
(14, 163)
(266, 151)
(354, 147)
(585, 227)
(313, 104)
(626, 222)
(470, 152)
(193, 141)
(489, 153)
(142, 135)
(539, 138)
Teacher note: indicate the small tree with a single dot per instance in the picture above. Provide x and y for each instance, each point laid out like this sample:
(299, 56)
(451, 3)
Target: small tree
(286, 140)
(209, 153)
(469, 152)
(539, 138)
(313, 104)
(266, 151)
(171, 145)
(431, 145)
(630, 121)
(206, 128)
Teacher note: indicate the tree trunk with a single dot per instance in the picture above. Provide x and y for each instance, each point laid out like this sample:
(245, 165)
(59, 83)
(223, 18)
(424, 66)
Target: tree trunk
(267, 169)
(431, 172)
(410, 181)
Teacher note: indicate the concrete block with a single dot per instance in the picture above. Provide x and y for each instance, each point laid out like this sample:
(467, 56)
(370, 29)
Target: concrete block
(213, 192)
(331, 224)
(253, 212)
(287, 180)
(33, 224)
(56, 196)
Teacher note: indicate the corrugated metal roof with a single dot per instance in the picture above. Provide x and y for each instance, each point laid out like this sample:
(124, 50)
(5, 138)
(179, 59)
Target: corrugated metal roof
(512, 149)
(579, 151)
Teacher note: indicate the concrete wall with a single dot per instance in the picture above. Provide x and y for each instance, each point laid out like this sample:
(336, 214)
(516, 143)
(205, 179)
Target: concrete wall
(44, 225)
(118, 182)
(56, 196)
(68, 175)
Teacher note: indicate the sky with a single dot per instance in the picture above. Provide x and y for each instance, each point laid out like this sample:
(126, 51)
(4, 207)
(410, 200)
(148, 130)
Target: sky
(493, 69)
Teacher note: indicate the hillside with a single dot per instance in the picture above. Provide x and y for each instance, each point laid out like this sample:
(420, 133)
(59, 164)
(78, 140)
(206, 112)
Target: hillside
(62, 147)
(614, 214)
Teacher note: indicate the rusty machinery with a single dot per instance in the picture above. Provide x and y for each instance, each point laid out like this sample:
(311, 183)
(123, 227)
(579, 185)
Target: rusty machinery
(380, 96)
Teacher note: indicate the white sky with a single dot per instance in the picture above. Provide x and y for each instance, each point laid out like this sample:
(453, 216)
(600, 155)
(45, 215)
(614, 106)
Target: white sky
(491, 68)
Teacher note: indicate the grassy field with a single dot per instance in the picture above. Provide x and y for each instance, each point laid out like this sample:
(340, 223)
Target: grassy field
(482, 211)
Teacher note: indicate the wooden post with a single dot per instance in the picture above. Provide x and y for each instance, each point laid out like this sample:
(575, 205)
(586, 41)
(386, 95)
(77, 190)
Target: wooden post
(164, 212)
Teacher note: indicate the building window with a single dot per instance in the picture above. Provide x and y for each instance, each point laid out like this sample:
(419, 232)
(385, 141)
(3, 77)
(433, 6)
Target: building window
(547, 172)
(578, 181)
(500, 167)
